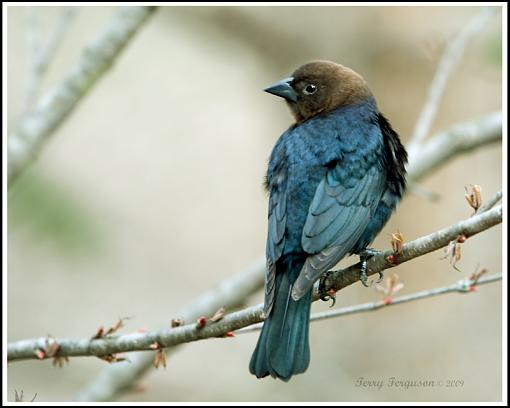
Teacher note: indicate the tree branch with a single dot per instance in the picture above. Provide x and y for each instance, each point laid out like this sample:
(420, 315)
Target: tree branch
(26, 349)
(230, 293)
(344, 277)
(27, 140)
(459, 139)
(449, 60)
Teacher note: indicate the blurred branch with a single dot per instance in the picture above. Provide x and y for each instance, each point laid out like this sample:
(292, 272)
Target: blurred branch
(42, 55)
(27, 140)
(27, 349)
(462, 286)
(449, 61)
(422, 192)
(461, 138)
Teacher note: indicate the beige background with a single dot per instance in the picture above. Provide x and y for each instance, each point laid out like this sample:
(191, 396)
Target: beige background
(159, 174)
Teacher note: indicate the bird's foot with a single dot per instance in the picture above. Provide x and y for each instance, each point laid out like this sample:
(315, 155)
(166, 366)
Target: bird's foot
(326, 295)
(364, 256)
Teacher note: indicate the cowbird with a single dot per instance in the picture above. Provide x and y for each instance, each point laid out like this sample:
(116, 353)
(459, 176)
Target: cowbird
(334, 178)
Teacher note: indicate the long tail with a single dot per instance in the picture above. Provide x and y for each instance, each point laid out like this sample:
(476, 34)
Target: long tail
(283, 349)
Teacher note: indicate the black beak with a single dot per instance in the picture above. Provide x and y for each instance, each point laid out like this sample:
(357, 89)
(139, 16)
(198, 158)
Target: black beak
(283, 89)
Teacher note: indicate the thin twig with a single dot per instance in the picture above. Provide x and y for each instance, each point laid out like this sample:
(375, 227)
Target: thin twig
(26, 349)
(491, 203)
(27, 140)
(462, 286)
(449, 60)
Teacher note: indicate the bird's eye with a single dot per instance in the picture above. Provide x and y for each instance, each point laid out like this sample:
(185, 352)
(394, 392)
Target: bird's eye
(310, 89)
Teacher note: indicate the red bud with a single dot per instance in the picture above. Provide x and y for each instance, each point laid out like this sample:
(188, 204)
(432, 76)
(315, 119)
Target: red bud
(201, 322)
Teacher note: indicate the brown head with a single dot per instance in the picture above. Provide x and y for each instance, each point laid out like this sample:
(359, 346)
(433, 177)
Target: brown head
(320, 86)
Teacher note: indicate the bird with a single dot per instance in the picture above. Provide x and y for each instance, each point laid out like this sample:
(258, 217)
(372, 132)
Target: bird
(334, 178)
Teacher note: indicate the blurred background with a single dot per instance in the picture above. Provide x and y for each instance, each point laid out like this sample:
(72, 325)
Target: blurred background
(136, 202)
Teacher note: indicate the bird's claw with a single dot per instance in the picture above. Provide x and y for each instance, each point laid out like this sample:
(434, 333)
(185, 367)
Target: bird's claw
(381, 277)
(329, 297)
(364, 256)
(326, 295)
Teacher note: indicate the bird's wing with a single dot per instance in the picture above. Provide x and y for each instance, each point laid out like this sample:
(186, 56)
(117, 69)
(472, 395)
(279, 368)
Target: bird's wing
(342, 206)
(275, 242)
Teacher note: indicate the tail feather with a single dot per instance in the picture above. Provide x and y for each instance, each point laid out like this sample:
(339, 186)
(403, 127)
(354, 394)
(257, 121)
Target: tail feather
(283, 348)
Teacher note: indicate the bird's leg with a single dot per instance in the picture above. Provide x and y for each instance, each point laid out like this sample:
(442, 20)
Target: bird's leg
(324, 294)
(365, 255)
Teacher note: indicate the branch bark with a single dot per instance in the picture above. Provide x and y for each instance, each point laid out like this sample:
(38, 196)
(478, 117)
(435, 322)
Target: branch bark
(26, 349)
(27, 140)
(231, 293)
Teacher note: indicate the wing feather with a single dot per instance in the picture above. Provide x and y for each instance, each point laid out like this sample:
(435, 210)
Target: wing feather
(339, 213)
(277, 219)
